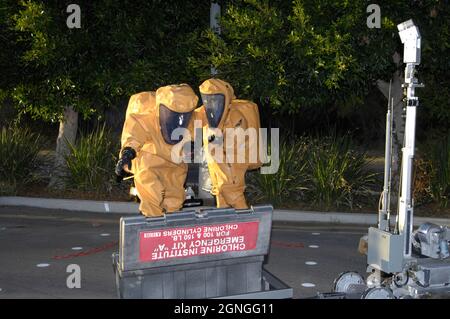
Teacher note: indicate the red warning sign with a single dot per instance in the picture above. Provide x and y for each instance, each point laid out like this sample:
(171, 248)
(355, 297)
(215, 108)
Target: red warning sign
(192, 241)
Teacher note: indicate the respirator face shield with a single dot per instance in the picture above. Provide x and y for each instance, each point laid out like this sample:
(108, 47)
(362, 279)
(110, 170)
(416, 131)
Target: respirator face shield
(214, 108)
(169, 121)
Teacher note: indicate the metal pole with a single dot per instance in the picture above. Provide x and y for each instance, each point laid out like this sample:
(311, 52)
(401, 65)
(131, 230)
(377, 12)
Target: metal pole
(388, 209)
(214, 16)
(411, 40)
(383, 214)
(204, 180)
(406, 203)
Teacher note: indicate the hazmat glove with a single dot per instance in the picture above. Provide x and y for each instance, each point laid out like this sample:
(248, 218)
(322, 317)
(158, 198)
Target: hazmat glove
(125, 160)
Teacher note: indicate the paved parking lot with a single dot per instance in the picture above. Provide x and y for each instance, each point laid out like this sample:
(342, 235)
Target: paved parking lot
(37, 245)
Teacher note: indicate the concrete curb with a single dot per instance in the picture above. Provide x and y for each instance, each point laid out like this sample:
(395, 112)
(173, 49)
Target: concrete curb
(72, 204)
(132, 208)
(343, 218)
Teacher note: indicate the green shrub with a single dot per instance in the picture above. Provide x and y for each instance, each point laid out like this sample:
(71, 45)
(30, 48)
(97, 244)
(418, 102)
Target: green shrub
(279, 188)
(18, 152)
(440, 172)
(422, 181)
(324, 173)
(337, 174)
(91, 161)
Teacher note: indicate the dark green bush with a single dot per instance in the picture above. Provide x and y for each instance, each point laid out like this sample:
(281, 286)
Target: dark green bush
(440, 172)
(422, 181)
(338, 175)
(279, 188)
(18, 152)
(91, 161)
(324, 173)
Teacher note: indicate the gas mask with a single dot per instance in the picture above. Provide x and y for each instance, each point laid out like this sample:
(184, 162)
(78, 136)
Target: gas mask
(169, 121)
(214, 108)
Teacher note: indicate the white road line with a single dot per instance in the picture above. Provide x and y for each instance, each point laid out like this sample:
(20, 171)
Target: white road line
(77, 248)
(308, 285)
(104, 234)
(310, 263)
(313, 246)
(43, 265)
(315, 234)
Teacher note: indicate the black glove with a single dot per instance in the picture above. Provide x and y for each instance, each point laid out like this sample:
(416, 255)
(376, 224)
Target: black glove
(127, 155)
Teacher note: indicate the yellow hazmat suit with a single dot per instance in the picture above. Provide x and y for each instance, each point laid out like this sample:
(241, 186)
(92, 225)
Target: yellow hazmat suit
(221, 111)
(150, 121)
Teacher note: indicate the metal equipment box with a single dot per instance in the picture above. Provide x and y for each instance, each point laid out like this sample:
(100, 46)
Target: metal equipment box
(436, 271)
(207, 254)
(384, 251)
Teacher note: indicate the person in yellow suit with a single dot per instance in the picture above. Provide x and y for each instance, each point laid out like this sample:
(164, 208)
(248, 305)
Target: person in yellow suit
(221, 111)
(148, 144)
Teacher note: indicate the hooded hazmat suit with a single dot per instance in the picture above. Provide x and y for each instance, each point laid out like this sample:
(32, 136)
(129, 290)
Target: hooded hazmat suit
(151, 118)
(229, 156)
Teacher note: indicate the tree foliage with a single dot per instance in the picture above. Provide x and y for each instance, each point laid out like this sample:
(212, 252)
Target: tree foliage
(320, 53)
(300, 55)
(10, 51)
(122, 47)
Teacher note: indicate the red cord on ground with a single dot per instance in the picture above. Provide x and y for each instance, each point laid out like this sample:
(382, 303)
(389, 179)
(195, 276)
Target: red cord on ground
(88, 252)
(287, 244)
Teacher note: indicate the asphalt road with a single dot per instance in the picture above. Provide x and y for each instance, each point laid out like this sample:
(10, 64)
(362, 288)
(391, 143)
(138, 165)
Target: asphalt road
(37, 246)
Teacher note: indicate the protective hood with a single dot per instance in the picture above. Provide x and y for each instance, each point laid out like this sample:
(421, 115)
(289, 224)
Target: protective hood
(175, 105)
(216, 97)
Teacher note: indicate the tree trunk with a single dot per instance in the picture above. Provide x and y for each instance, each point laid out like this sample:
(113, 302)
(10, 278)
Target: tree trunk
(398, 131)
(67, 133)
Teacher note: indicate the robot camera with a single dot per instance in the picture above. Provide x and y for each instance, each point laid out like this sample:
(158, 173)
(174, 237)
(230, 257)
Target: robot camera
(410, 37)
